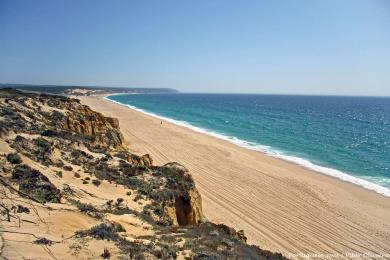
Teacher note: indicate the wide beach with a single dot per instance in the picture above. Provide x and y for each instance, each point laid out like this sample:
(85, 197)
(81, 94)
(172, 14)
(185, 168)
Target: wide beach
(281, 206)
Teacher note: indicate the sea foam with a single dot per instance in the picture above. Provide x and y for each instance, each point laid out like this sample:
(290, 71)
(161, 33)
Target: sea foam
(269, 151)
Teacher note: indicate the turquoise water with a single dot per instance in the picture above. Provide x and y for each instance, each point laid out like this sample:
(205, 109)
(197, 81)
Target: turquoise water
(346, 137)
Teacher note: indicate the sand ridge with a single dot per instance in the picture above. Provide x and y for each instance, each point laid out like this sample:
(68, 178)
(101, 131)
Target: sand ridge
(281, 206)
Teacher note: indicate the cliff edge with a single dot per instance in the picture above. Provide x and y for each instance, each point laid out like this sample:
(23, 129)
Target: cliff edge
(70, 188)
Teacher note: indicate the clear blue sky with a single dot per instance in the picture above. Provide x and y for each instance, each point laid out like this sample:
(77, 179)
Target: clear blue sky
(282, 46)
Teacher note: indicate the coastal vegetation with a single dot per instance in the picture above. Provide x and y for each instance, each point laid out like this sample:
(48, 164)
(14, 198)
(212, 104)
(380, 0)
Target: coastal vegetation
(69, 182)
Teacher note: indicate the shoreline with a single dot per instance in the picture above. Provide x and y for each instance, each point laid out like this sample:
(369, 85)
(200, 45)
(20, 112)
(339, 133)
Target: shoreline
(280, 205)
(302, 162)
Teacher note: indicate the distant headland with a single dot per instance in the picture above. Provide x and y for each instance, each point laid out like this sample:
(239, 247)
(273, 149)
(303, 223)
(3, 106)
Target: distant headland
(84, 90)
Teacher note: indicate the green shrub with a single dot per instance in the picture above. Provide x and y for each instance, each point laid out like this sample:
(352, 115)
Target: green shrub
(85, 207)
(67, 168)
(78, 153)
(14, 158)
(162, 195)
(134, 182)
(34, 183)
(49, 133)
(43, 241)
(59, 163)
(43, 143)
(119, 202)
(19, 138)
(88, 209)
(146, 188)
(104, 231)
(22, 209)
(189, 244)
(96, 182)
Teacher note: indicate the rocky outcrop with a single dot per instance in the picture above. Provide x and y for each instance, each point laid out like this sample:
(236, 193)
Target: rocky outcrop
(144, 160)
(188, 208)
(64, 117)
(240, 235)
(104, 130)
(187, 203)
(65, 124)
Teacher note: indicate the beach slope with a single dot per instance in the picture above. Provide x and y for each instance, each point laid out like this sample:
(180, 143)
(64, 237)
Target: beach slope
(281, 206)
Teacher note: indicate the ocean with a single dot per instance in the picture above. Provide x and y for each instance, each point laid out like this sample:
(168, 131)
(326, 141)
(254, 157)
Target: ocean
(344, 137)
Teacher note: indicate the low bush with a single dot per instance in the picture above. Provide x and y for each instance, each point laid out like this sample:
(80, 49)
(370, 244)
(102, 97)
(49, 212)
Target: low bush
(14, 158)
(96, 182)
(67, 168)
(35, 184)
(103, 231)
(59, 163)
(49, 133)
(85, 207)
(43, 143)
(119, 202)
(22, 209)
(88, 209)
(43, 241)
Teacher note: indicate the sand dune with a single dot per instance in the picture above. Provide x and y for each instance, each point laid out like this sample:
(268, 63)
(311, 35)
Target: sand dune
(281, 206)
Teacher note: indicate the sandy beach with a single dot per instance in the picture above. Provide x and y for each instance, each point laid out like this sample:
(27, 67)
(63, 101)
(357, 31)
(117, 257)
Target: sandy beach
(281, 206)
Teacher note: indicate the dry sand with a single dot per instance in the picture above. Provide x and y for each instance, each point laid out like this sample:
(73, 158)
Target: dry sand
(281, 206)
(63, 219)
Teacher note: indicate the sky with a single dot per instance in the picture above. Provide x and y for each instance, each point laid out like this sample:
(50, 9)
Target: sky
(327, 47)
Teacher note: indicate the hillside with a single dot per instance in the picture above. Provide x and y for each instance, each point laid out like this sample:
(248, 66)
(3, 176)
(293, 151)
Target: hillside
(70, 188)
(84, 90)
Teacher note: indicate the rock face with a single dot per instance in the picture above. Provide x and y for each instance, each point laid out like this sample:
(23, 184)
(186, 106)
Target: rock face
(186, 209)
(187, 204)
(64, 123)
(189, 208)
(144, 160)
(62, 116)
(104, 130)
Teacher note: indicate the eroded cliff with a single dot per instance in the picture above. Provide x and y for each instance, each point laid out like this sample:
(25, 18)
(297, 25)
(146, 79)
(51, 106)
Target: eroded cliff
(70, 182)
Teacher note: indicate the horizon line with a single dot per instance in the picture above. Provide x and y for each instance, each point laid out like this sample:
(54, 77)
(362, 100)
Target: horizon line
(191, 92)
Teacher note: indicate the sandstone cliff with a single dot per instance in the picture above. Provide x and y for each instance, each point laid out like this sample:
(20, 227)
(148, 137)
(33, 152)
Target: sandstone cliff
(187, 204)
(104, 130)
(71, 188)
